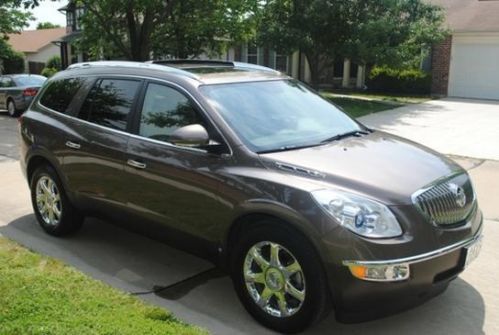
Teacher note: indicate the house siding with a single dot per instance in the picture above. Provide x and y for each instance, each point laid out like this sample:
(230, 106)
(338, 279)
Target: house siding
(440, 63)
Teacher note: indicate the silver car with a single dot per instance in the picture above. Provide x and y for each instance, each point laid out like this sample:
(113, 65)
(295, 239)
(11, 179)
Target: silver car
(17, 91)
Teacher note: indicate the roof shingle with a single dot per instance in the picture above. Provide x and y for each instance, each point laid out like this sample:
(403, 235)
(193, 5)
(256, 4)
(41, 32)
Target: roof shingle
(471, 15)
(34, 40)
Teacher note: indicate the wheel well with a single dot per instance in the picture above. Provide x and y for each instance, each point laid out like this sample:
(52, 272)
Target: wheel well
(34, 163)
(243, 223)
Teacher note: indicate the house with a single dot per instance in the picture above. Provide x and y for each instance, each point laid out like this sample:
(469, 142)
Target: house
(37, 46)
(68, 52)
(467, 63)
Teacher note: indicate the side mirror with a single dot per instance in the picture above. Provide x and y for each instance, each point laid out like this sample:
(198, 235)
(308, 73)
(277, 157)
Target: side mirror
(193, 135)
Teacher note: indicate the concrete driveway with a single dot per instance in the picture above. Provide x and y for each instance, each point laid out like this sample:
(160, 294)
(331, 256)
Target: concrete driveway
(199, 294)
(460, 127)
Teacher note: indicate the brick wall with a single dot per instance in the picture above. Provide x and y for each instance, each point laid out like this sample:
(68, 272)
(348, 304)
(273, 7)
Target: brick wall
(440, 65)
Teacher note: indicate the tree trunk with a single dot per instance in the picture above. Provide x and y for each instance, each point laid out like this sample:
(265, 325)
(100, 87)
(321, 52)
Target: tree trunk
(313, 59)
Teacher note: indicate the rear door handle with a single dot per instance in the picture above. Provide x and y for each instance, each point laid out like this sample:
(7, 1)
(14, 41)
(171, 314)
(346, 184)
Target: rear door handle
(135, 164)
(73, 145)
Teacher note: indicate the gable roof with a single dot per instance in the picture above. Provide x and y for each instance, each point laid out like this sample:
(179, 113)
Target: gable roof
(34, 40)
(471, 15)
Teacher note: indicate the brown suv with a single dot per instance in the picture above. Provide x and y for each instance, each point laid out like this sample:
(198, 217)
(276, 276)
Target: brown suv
(306, 208)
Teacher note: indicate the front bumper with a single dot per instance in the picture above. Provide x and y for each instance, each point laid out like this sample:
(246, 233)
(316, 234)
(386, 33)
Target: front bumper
(359, 300)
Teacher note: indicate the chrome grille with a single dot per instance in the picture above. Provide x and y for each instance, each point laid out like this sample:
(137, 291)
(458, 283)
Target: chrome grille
(442, 203)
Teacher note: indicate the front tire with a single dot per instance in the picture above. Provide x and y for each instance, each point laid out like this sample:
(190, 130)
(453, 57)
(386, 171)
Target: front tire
(53, 210)
(279, 278)
(11, 108)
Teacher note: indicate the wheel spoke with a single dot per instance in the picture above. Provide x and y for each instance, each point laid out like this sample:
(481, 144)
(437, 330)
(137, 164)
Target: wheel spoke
(41, 197)
(274, 255)
(255, 277)
(45, 187)
(292, 269)
(265, 297)
(283, 304)
(294, 292)
(258, 258)
(51, 215)
(57, 212)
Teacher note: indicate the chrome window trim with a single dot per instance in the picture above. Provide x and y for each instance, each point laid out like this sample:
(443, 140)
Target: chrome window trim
(423, 257)
(167, 144)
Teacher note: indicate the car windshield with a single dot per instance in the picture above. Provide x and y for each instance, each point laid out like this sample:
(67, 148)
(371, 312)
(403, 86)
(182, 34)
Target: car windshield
(29, 80)
(278, 115)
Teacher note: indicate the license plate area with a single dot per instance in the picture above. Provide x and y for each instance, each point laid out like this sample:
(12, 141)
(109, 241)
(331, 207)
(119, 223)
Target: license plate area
(472, 251)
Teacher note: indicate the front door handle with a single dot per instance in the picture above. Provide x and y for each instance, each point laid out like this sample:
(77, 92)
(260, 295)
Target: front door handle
(73, 145)
(135, 164)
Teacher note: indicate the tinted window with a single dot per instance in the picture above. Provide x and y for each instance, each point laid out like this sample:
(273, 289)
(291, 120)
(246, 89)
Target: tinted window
(60, 93)
(165, 110)
(6, 82)
(30, 80)
(109, 103)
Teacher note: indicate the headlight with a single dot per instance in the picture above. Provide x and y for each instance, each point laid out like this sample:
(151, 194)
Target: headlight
(361, 215)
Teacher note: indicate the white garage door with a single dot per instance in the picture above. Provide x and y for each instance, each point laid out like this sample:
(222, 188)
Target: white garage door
(474, 69)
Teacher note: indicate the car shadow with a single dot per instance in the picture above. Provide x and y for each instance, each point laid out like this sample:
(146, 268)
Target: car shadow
(203, 295)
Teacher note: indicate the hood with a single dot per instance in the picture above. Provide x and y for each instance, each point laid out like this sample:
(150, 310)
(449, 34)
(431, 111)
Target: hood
(378, 165)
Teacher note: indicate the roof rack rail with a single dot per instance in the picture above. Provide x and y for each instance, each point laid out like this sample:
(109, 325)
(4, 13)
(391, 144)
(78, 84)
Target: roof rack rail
(191, 62)
(130, 64)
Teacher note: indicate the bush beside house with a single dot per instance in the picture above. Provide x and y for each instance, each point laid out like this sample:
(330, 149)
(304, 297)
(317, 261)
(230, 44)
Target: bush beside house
(13, 63)
(408, 81)
(53, 66)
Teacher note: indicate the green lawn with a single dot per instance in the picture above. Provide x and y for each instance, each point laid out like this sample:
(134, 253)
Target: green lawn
(359, 107)
(40, 295)
(378, 96)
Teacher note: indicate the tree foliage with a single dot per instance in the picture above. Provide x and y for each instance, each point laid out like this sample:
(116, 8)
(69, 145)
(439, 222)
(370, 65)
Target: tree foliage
(47, 25)
(133, 29)
(12, 20)
(388, 32)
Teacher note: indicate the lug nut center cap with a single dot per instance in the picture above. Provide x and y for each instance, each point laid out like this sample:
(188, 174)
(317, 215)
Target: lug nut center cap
(274, 279)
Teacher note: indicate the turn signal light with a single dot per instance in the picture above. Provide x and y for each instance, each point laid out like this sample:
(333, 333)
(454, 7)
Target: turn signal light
(388, 273)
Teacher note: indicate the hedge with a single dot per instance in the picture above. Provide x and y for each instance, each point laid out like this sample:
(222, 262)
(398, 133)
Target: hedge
(412, 81)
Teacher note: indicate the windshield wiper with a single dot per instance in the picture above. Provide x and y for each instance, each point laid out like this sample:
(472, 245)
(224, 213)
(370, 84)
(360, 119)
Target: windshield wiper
(338, 137)
(288, 148)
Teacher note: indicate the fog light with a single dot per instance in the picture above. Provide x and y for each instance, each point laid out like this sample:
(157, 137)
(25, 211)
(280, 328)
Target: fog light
(395, 272)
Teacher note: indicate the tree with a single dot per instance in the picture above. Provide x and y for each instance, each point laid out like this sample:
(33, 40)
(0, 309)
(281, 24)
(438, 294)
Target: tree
(12, 20)
(47, 25)
(132, 29)
(391, 32)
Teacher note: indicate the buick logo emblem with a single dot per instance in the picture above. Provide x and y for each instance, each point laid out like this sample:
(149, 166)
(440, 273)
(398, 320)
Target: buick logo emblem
(458, 193)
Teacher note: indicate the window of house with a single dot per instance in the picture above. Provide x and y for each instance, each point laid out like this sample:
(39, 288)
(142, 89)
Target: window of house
(79, 13)
(109, 103)
(60, 93)
(281, 63)
(164, 111)
(253, 53)
(70, 18)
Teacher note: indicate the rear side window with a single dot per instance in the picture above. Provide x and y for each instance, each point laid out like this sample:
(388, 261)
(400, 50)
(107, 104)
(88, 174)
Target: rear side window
(109, 103)
(60, 93)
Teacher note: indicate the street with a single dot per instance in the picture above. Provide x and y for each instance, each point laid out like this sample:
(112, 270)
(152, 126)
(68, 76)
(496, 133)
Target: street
(198, 293)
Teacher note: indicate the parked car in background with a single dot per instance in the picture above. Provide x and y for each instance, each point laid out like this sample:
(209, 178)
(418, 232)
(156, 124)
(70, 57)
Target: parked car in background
(18, 90)
(306, 208)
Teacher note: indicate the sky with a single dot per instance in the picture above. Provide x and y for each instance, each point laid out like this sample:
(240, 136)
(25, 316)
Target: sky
(47, 12)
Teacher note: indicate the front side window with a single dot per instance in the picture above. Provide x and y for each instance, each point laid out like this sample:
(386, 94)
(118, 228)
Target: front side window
(109, 103)
(278, 115)
(60, 93)
(164, 111)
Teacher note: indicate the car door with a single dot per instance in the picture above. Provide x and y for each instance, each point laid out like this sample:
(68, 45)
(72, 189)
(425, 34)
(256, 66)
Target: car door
(3, 92)
(172, 185)
(97, 145)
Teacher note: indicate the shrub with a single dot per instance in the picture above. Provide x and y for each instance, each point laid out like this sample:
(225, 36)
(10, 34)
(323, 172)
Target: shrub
(49, 72)
(54, 63)
(413, 81)
(13, 63)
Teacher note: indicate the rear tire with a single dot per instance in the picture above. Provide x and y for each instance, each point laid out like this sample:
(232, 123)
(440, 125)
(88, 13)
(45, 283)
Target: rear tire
(292, 290)
(11, 108)
(53, 210)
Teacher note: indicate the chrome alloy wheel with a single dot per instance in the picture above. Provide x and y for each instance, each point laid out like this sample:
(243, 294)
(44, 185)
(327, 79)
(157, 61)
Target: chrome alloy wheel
(48, 201)
(274, 279)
